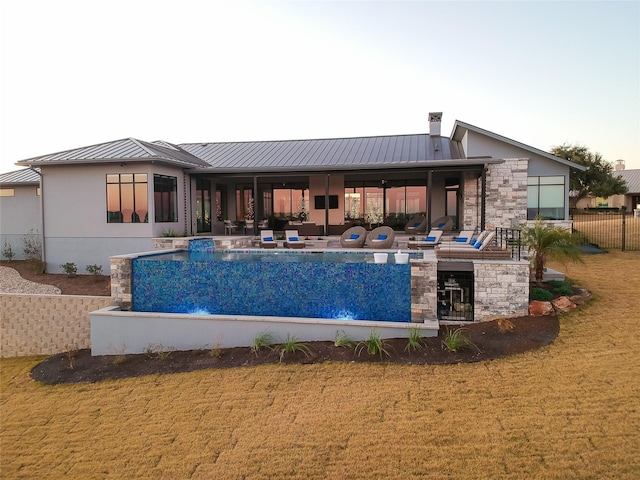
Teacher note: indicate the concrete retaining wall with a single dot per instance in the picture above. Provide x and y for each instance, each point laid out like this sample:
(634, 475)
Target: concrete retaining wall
(46, 324)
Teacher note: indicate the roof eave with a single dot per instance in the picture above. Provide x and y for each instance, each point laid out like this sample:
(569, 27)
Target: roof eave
(438, 164)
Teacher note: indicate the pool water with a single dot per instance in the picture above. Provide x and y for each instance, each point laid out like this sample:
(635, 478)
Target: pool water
(336, 285)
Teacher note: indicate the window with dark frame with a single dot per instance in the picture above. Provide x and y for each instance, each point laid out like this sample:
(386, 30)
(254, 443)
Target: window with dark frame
(165, 198)
(127, 198)
(546, 197)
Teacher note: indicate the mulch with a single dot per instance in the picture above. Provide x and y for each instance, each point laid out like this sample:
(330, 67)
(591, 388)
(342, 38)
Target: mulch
(528, 333)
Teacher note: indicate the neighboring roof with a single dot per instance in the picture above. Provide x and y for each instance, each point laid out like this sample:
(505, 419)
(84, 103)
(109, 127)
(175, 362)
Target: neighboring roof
(24, 176)
(328, 154)
(459, 129)
(632, 177)
(125, 150)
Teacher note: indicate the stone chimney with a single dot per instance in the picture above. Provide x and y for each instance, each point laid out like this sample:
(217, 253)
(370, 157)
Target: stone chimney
(619, 165)
(435, 118)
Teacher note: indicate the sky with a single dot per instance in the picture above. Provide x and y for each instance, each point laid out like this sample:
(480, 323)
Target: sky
(76, 72)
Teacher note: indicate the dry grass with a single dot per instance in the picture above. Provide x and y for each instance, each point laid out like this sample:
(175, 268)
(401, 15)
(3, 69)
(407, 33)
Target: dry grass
(606, 230)
(569, 410)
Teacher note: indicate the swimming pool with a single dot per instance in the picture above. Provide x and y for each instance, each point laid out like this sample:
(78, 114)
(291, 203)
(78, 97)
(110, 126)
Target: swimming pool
(328, 285)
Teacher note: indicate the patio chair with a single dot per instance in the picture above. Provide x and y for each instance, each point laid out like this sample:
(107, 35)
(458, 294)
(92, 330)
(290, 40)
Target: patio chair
(431, 240)
(229, 227)
(417, 224)
(267, 240)
(463, 238)
(443, 223)
(381, 237)
(293, 241)
(353, 237)
(483, 248)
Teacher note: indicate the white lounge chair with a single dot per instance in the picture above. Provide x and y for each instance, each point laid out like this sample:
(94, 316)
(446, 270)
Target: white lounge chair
(267, 240)
(431, 240)
(293, 240)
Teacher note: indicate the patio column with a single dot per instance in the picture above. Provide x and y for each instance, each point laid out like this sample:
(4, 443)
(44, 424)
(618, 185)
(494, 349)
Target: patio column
(429, 190)
(326, 205)
(483, 197)
(255, 205)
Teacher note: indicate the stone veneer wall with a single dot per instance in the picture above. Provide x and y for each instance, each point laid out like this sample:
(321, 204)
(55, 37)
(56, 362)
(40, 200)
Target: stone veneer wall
(46, 324)
(470, 202)
(424, 290)
(501, 289)
(506, 193)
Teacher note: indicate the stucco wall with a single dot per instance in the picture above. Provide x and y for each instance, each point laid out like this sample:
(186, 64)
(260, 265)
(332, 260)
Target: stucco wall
(76, 228)
(46, 324)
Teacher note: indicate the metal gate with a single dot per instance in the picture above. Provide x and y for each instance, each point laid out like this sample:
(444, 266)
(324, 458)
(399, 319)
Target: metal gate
(612, 230)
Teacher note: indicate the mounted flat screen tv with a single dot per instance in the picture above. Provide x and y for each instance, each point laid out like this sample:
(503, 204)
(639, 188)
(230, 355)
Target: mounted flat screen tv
(319, 202)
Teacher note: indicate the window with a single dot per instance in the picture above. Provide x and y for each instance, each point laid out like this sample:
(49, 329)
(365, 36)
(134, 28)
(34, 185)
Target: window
(127, 198)
(7, 192)
(545, 197)
(165, 195)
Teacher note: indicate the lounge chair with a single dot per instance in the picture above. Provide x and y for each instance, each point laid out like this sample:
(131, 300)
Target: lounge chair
(431, 240)
(443, 223)
(463, 238)
(267, 240)
(293, 241)
(353, 237)
(484, 247)
(381, 237)
(417, 224)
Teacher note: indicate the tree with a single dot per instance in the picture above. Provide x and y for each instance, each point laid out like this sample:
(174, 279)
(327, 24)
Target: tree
(596, 181)
(549, 242)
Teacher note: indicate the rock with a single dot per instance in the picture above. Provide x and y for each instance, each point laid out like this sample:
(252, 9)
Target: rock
(538, 308)
(563, 304)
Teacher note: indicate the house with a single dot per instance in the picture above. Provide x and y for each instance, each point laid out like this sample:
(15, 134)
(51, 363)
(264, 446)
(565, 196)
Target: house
(630, 200)
(20, 209)
(113, 198)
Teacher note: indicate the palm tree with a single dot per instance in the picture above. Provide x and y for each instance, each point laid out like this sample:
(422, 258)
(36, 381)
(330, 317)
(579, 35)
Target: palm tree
(549, 242)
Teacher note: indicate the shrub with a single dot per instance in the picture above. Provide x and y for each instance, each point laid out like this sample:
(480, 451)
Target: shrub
(292, 345)
(171, 233)
(95, 270)
(374, 345)
(260, 341)
(343, 340)
(32, 245)
(561, 287)
(7, 251)
(415, 340)
(455, 340)
(540, 294)
(157, 350)
(71, 269)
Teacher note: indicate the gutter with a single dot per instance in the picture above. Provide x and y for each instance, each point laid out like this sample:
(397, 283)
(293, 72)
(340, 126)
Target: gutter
(42, 252)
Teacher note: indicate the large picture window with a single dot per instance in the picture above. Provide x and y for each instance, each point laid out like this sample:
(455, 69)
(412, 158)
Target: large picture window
(545, 198)
(165, 198)
(127, 198)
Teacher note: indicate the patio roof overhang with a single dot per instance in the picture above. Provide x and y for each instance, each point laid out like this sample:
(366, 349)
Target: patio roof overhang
(477, 163)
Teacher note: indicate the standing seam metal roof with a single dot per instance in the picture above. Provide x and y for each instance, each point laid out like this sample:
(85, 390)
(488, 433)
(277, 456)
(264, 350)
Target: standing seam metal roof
(632, 177)
(357, 151)
(127, 149)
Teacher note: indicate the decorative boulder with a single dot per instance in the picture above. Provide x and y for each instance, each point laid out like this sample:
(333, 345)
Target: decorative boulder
(563, 304)
(538, 308)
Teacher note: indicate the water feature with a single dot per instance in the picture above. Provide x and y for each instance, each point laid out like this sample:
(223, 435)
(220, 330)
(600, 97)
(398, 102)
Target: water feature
(328, 285)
